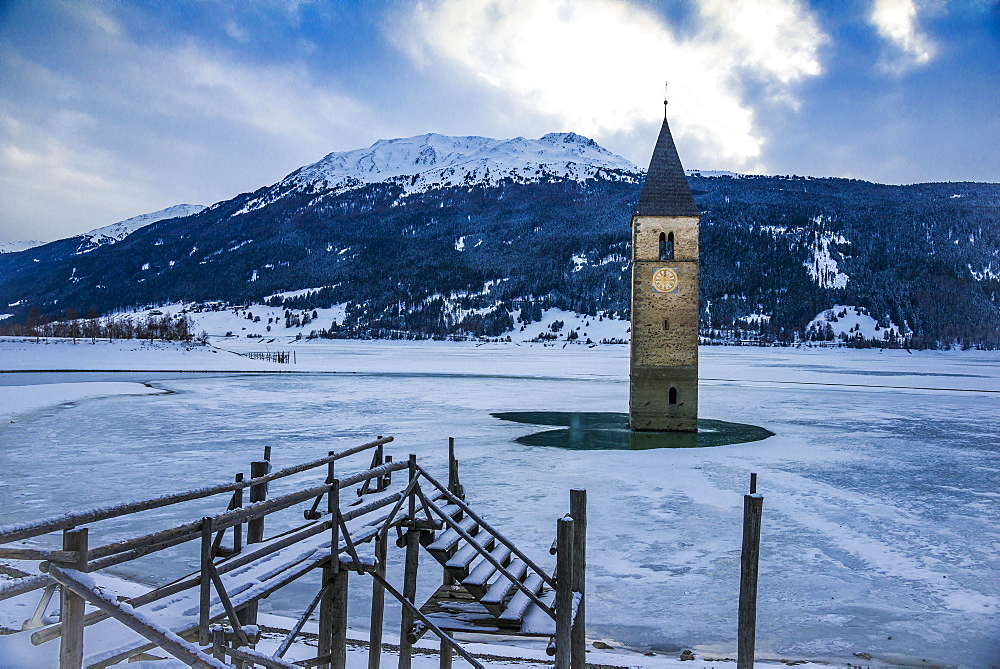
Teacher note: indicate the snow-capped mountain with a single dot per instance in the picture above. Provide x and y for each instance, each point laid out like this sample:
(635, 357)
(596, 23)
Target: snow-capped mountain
(110, 234)
(440, 161)
(16, 247)
(434, 236)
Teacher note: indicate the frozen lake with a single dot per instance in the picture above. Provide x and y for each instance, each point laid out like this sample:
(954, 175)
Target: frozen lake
(881, 517)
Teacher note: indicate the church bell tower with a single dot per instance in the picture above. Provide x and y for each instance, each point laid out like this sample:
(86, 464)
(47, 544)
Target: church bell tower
(663, 384)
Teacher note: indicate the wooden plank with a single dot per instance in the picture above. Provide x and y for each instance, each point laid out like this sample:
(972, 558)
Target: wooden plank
(519, 603)
(38, 554)
(482, 572)
(450, 537)
(271, 546)
(23, 585)
(502, 587)
(255, 657)
(463, 557)
(53, 631)
(747, 632)
(185, 651)
(279, 579)
(454, 609)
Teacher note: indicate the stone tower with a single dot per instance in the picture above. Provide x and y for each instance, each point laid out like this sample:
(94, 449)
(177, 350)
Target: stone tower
(663, 388)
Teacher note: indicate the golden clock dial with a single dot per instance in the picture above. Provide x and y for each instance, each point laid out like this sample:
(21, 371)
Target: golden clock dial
(664, 280)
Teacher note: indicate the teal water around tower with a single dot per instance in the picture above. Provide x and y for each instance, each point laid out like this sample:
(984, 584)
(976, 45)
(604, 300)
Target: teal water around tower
(584, 431)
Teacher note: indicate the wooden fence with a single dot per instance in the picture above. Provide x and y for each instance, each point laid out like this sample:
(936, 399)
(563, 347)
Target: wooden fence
(281, 357)
(208, 618)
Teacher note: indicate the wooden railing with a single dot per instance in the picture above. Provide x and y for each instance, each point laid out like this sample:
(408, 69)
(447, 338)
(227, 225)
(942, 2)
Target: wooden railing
(217, 594)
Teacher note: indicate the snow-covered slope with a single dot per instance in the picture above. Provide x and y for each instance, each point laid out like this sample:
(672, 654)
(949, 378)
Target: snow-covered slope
(116, 232)
(437, 161)
(14, 247)
(846, 322)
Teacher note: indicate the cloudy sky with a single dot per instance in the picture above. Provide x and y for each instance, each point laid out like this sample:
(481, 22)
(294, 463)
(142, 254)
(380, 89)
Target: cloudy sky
(112, 109)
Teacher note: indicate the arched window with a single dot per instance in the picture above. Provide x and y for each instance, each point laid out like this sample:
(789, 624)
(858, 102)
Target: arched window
(666, 324)
(663, 246)
(672, 396)
(670, 247)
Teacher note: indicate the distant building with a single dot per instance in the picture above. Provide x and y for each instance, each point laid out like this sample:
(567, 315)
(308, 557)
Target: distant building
(663, 387)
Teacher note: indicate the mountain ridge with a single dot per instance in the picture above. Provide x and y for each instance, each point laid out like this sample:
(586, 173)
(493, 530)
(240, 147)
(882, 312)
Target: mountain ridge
(477, 256)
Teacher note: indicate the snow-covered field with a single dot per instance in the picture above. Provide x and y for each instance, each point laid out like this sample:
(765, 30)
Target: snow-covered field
(880, 516)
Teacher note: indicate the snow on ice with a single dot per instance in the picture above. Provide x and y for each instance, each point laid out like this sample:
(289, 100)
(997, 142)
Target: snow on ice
(880, 515)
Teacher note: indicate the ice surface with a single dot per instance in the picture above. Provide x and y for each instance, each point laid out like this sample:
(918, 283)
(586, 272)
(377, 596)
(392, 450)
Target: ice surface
(18, 400)
(880, 501)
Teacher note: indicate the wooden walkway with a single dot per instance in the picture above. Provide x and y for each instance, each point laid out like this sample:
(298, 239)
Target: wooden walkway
(208, 618)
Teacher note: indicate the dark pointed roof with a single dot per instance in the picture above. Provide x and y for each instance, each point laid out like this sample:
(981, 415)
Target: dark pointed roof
(666, 191)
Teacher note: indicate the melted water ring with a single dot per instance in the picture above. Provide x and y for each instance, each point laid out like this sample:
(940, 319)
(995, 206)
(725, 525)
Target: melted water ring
(609, 431)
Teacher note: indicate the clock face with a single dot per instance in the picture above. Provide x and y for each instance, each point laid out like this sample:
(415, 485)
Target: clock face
(664, 280)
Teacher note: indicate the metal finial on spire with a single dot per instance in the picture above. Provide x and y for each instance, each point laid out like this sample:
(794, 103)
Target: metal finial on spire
(664, 101)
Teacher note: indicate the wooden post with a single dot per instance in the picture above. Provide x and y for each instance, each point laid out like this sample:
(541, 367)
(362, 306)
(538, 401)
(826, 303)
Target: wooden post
(328, 603)
(378, 604)
(564, 592)
(379, 460)
(338, 652)
(753, 505)
(578, 511)
(409, 573)
(205, 584)
(448, 579)
(386, 480)
(255, 527)
(452, 465)
(445, 655)
(71, 606)
(238, 529)
(218, 642)
(454, 484)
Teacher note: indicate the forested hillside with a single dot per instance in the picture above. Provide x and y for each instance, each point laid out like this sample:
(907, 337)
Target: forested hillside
(775, 252)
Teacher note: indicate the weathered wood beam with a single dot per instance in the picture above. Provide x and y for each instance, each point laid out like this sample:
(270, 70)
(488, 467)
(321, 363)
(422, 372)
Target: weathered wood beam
(753, 506)
(564, 592)
(578, 640)
(71, 605)
(185, 651)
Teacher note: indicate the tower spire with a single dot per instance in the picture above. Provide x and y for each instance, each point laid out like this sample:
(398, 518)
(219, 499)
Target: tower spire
(665, 100)
(665, 192)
